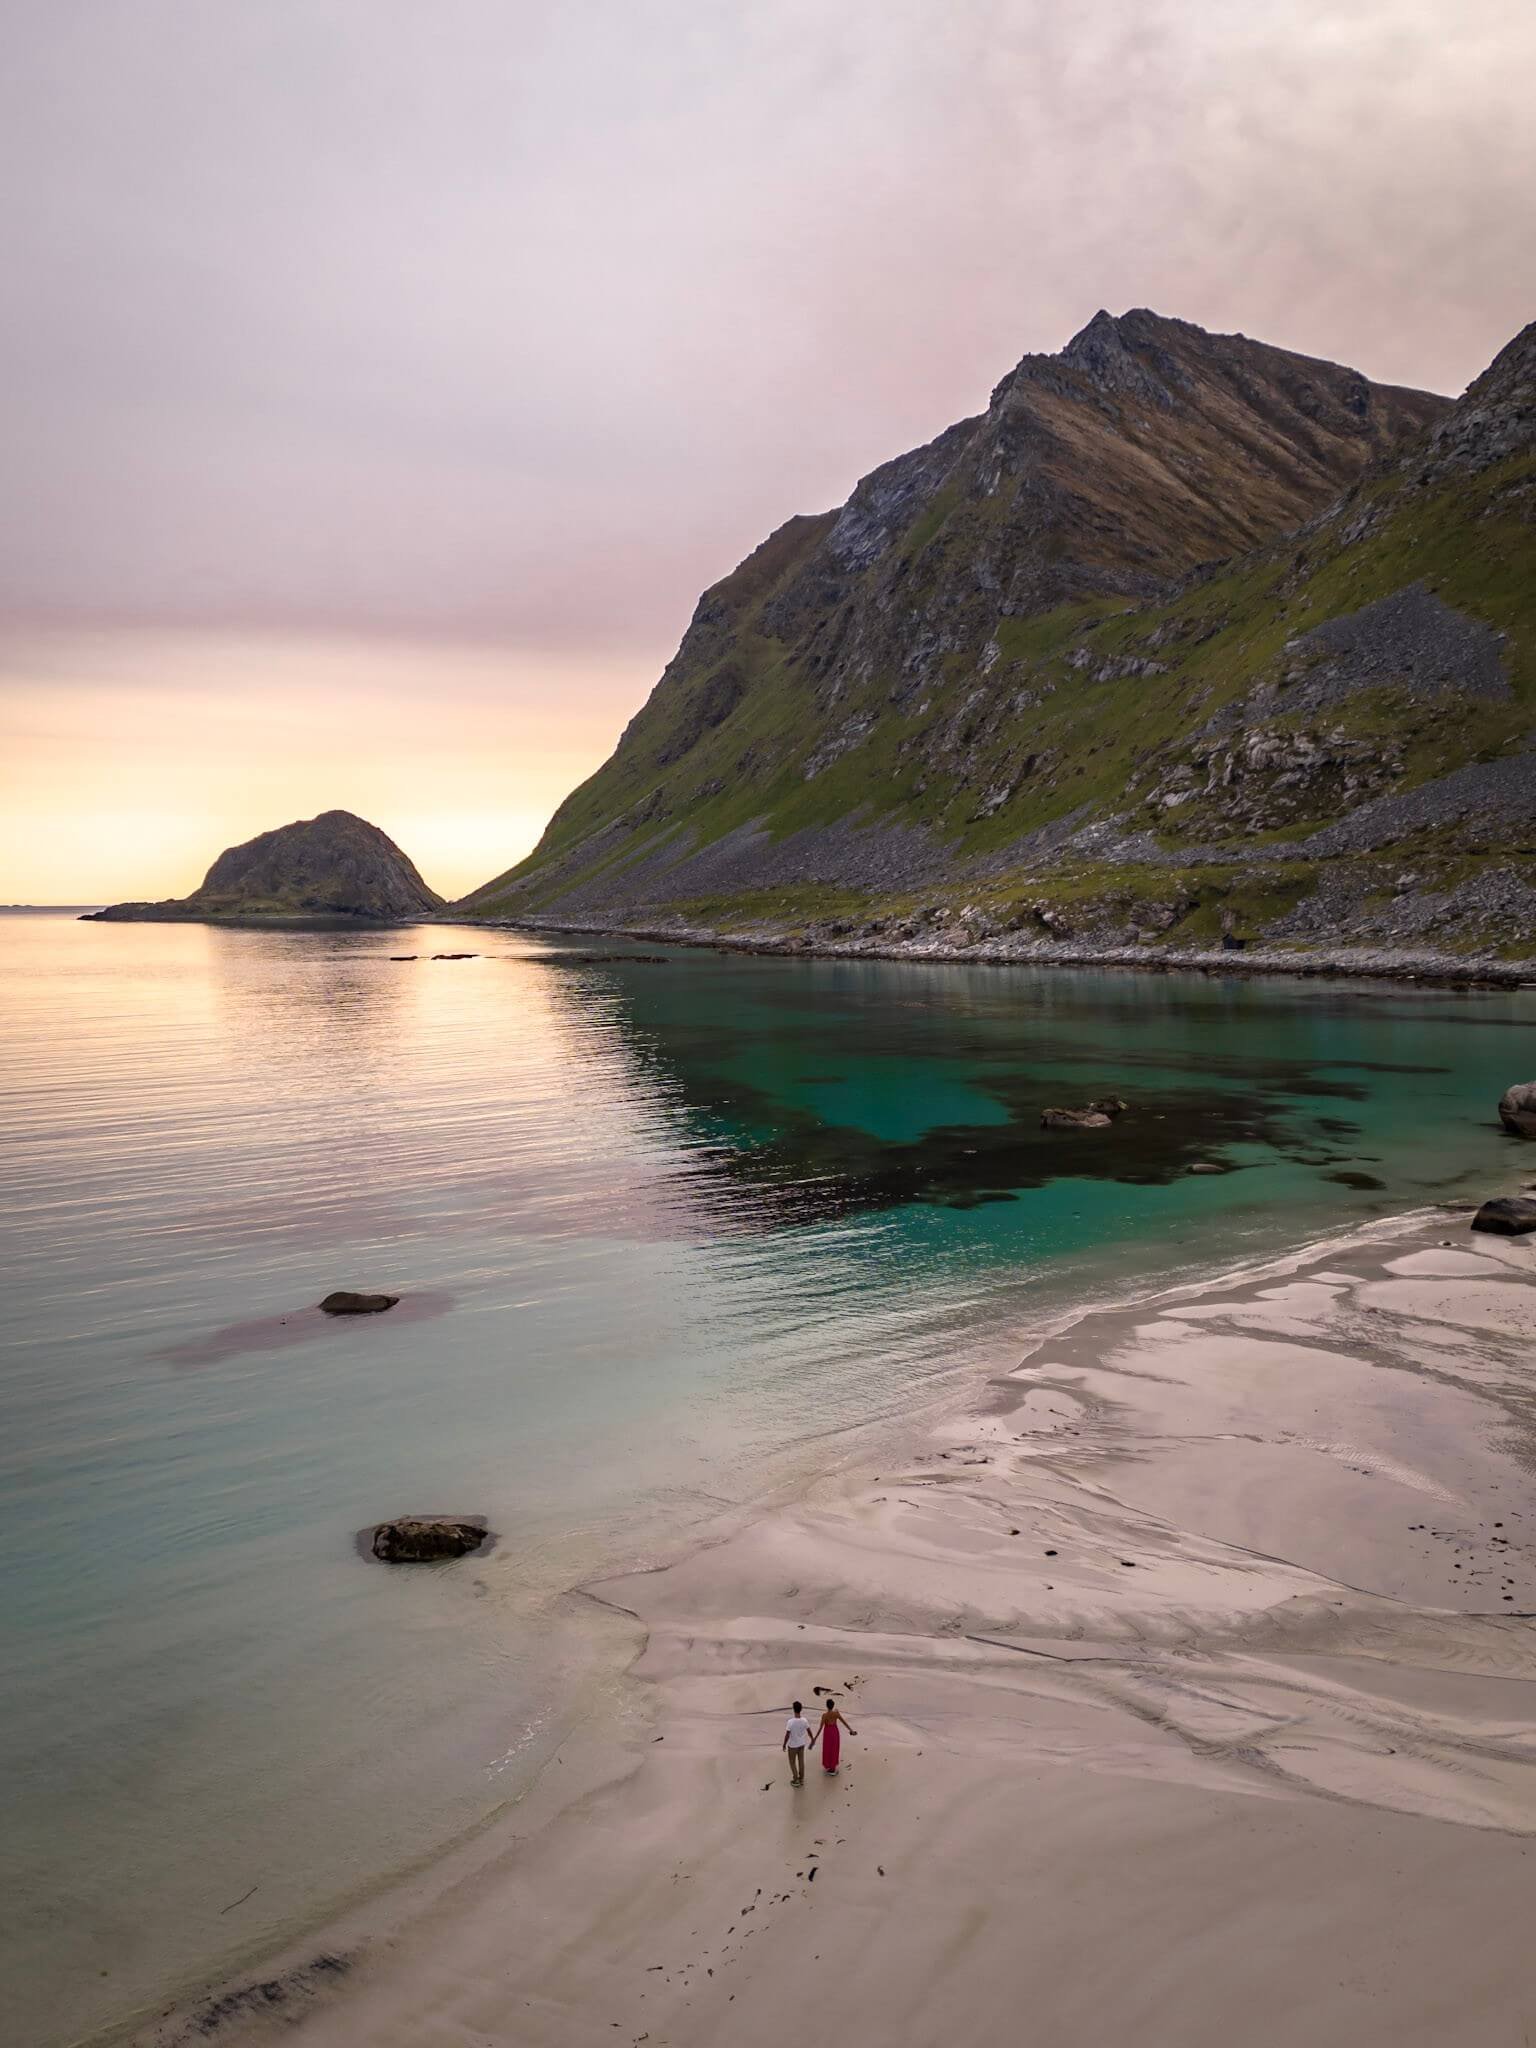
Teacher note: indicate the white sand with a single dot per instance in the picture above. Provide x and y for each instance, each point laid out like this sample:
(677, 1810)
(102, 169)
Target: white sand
(1251, 1759)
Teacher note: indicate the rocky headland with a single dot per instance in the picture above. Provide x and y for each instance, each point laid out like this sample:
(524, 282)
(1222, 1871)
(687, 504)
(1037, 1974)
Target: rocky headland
(332, 866)
(1187, 648)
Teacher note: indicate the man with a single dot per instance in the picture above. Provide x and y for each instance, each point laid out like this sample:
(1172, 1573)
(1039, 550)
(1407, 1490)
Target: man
(797, 1737)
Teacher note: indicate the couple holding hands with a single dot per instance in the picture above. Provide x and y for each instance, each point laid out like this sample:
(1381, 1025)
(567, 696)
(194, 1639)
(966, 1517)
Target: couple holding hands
(798, 1738)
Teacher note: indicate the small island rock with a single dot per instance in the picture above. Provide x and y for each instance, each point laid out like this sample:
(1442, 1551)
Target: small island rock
(1074, 1120)
(422, 1539)
(334, 866)
(1506, 1216)
(1517, 1109)
(343, 1303)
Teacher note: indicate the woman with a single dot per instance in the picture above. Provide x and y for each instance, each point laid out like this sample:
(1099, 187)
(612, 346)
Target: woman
(830, 1735)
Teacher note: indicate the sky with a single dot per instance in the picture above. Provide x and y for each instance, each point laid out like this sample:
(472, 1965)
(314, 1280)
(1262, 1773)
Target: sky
(381, 382)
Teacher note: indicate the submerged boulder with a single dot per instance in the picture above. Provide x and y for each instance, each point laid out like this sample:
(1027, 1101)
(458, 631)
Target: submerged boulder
(1517, 1109)
(1506, 1216)
(423, 1539)
(1074, 1120)
(344, 1304)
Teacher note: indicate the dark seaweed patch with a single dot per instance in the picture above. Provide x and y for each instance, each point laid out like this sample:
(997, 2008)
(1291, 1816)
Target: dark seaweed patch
(753, 1157)
(786, 1165)
(273, 1994)
(1383, 1067)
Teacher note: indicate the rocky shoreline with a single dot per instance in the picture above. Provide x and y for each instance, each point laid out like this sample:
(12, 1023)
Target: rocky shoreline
(936, 946)
(1377, 963)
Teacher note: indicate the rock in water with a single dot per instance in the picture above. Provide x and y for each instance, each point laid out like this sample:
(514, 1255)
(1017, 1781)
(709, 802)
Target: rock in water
(1506, 1216)
(1517, 1109)
(344, 1304)
(422, 1539)
(335, 865)
(1074, 1120)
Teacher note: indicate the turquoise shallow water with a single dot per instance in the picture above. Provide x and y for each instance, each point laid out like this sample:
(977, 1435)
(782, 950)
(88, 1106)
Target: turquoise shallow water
(663, 1233)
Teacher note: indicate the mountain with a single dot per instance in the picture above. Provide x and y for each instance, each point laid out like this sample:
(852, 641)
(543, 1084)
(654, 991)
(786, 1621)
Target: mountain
(1186, 639)
(336, 865)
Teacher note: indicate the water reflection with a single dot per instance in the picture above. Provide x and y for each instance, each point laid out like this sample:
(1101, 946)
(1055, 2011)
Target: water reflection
(805, 1092)
(688, 1219)
(294, 1090)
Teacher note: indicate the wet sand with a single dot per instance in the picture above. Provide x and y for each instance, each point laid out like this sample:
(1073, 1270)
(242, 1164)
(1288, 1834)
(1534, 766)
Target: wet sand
(1195, 1680)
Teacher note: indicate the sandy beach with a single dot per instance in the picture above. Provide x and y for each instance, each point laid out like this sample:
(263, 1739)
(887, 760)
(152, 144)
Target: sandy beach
(1194, 1672)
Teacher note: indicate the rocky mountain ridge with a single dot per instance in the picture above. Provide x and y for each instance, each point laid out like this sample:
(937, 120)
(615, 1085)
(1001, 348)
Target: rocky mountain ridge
(1006, 693)
(333, 865)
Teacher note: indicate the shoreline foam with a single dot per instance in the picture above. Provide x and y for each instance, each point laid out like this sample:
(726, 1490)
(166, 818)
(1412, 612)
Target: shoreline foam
(1221, 1744)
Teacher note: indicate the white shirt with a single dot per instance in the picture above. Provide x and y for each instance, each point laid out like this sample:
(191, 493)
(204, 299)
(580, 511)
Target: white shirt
(799, 1730)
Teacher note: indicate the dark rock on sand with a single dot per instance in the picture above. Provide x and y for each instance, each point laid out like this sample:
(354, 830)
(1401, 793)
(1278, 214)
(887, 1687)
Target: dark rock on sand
(1517, 1109)
(1506, 1216)
(423, 1539)
(344, 1304)
(1074, 1120)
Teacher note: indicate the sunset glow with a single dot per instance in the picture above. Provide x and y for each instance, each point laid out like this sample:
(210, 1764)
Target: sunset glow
(131, 759)
(383, 385)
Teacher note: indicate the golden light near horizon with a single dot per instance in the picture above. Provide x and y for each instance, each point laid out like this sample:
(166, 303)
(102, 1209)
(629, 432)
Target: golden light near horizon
(129, 761)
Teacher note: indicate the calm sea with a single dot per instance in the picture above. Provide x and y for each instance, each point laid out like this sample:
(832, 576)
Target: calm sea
(665, 1233)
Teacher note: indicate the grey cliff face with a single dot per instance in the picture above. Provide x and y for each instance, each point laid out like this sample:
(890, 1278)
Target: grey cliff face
(885, 656)
(1497, 418)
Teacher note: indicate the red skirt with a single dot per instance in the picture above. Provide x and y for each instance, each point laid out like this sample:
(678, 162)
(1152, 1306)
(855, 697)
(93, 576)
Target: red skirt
(831, 1746)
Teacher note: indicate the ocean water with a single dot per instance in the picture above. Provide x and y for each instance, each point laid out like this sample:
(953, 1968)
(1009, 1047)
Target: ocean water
(665, 1234)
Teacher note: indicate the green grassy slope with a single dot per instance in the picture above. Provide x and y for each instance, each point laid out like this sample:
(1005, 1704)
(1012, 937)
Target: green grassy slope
(1007, 652)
